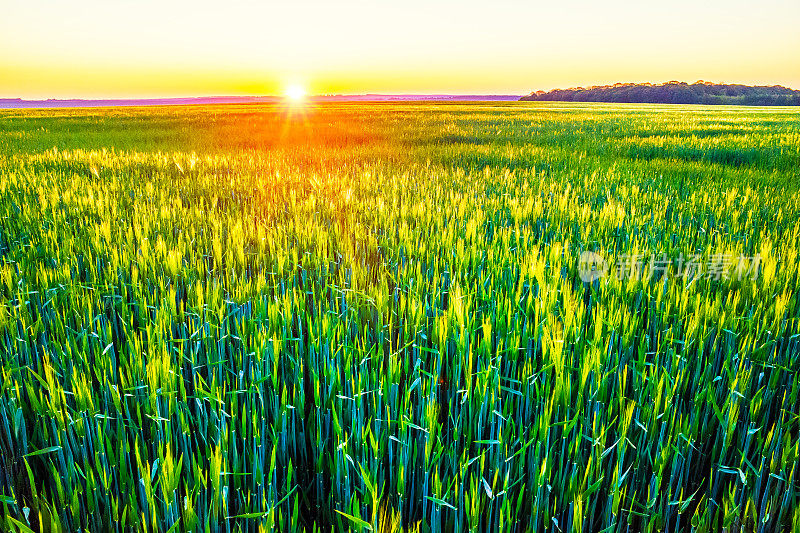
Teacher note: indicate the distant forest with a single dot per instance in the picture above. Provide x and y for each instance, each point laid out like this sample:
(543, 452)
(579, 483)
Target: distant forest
(674, 92)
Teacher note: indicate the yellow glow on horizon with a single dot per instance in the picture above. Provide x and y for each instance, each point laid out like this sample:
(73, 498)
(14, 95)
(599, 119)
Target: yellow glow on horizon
(135, 50)
(295, 93)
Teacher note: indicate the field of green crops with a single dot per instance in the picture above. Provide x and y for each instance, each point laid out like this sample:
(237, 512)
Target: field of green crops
(373, 317)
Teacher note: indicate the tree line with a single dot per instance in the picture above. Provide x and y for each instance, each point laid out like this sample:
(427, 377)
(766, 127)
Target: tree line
(674, 92)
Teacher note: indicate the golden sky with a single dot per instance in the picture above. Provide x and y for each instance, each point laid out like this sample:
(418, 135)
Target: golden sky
(148, 48)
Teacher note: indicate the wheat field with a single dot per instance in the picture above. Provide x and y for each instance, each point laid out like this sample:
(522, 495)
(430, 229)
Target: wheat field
(532, 317)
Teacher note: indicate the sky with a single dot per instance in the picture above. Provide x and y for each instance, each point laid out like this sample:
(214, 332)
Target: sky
(167, 48)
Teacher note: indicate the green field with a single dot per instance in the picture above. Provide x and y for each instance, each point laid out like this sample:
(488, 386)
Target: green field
(374, 317)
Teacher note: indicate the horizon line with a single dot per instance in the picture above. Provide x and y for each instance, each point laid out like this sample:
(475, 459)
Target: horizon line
(19, 102)
(133, 101)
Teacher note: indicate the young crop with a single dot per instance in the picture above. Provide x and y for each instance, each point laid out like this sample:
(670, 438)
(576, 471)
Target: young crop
(376, 318)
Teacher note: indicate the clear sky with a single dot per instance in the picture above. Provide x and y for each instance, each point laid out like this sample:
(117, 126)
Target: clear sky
(146, 48)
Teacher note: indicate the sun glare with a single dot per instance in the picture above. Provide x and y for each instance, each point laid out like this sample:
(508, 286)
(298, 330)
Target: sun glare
(295, 93)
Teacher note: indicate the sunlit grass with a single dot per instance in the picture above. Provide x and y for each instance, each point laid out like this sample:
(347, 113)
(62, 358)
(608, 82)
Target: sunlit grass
(233, 318)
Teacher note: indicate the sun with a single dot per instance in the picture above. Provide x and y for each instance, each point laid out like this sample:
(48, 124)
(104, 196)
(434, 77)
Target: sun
(295, 93)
